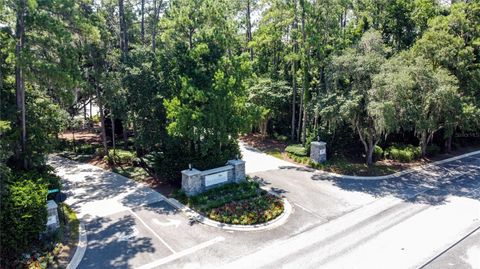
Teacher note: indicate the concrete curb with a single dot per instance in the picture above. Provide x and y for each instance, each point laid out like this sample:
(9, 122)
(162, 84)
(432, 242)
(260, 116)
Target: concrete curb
(287, 210)
(81, 247)
(401, 173)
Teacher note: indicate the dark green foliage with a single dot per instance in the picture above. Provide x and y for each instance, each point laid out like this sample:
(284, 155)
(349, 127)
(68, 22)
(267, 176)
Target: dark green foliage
(225, 194)
(297, 150)
(23, 218)
(433, 150)
(206, 111)
(378, 152)
(44, 120)
(177, 155)
(120, 156)
(402, 153)
(254, 210)
(86, 149)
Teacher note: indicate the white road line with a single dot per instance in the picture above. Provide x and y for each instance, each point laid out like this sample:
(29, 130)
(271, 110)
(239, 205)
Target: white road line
(152, 231)
(304, 208)
(181, 253)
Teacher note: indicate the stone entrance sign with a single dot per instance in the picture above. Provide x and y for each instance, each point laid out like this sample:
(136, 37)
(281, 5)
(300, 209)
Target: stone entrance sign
(318, 151)
(195, 181)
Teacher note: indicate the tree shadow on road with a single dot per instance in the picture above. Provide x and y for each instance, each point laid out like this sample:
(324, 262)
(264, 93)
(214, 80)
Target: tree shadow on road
(98, 184)
(112, 243)
(264, 183)
(431, 185)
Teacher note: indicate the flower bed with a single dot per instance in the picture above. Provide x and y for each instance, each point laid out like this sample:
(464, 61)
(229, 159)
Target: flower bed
(249, 211)
(243, 204)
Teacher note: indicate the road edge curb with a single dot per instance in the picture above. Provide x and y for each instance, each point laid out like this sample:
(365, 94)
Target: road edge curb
(280, 220)
(81, 247)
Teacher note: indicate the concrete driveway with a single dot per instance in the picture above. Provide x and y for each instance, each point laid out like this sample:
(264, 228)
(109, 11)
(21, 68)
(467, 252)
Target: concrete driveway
(257, 161)
(399, 223)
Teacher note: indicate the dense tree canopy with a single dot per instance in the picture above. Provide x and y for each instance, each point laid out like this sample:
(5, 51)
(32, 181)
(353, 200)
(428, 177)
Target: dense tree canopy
(198, 73)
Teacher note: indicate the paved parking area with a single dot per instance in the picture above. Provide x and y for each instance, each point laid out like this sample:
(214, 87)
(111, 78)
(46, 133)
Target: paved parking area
(142, 237)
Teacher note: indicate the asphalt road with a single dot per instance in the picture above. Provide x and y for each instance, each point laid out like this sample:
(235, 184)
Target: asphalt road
(398, 223)
(463, 254)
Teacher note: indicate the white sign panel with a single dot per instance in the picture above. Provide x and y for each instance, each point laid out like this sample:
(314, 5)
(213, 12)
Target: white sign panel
(52, 220)
(216, 178)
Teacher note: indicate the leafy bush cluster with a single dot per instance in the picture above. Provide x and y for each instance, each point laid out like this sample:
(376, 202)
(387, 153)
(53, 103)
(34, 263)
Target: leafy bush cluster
(120, 156)
(378, 152)
(298, 159)
(297, 150)
(225, 194)
(433, 150)
(175, 156)
(24, 211)
(250, 211)
(86, 149)
(403, 153)
(280, 137)
(78, 151)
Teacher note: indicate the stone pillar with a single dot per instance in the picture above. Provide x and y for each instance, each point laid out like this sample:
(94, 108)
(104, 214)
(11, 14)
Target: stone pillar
(238, 170)
(192, 182)
(53, 222)
(318, 151)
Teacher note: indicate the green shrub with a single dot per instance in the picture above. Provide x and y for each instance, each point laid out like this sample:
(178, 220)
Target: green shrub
(224, 194)
(175, 155)
(299, 159)
(377, 152)
(121, 156)
(297, 150)
(99, 151)
(62, 145)
(23, 217)
(85, 149)
(44, 174)
(250, 211)
(433, 150)
(403, 153)
(96, 119)
(279, 137)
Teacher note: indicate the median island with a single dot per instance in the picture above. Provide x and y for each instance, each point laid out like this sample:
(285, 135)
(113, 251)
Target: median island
(242, 203)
